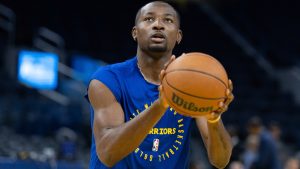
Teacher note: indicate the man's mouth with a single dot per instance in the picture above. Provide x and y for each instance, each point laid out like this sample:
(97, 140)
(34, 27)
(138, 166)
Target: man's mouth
(158, 37)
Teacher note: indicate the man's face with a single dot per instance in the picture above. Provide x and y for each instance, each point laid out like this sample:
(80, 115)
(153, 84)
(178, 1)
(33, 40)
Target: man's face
(157, 28)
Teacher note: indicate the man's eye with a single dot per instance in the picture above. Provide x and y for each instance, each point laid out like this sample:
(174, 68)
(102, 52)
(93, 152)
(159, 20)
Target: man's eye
(169, 20)
(150, 19)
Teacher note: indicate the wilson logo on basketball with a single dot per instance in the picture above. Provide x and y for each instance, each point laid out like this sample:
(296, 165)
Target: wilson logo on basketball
(189, 105)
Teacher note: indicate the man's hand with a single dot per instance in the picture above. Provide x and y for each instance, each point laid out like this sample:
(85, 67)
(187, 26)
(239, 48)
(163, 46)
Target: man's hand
(162, 99)
(223, 106)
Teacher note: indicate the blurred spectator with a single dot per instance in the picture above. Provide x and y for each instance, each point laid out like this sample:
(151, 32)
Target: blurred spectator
(23, 155)
(236, 142)
(67, 144)
(236, 165)
(250, 152)
(292, 163)
(267, 153)
(275, 130)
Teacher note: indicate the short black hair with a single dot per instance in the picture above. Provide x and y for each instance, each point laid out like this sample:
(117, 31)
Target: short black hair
(161, 2)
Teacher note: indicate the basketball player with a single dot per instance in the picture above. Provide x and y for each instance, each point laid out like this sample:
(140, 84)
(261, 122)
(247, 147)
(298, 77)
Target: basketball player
(133, 126)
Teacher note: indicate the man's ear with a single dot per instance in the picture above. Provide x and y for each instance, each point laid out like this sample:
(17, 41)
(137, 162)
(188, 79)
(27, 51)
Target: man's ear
(134, 33)
(179, 36)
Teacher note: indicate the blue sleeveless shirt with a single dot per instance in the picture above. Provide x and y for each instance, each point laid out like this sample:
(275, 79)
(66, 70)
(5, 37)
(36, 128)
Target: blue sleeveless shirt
(167, 144)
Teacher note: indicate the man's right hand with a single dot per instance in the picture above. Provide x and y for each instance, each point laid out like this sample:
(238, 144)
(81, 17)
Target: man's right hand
(162, 100)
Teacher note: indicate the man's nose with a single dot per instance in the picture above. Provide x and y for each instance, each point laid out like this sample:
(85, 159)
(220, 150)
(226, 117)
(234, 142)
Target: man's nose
(158, 25)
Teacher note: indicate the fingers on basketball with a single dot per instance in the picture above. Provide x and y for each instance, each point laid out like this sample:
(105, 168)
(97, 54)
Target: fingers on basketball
(222, 108)
(162, 74)
(213, 115)
(229, 95)
(228, 100)
(170, 61)
(230, 85)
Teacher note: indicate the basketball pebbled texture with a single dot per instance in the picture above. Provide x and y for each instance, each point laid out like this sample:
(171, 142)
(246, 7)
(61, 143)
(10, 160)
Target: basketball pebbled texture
(194, 84)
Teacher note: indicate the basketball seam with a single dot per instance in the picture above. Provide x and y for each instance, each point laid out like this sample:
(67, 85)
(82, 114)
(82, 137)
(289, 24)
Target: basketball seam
(199, 71)
(200, 97)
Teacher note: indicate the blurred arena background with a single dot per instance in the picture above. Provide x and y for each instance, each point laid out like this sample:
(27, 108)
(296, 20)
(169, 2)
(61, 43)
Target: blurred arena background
(48, 50)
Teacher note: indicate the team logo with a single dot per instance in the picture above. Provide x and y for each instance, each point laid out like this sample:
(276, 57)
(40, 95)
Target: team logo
(164, 153)
(155, 145)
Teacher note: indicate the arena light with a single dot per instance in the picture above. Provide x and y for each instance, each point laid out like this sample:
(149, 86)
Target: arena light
(38, 69)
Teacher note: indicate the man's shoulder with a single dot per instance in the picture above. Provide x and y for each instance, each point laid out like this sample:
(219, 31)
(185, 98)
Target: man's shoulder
(119, 67)
(115, 71)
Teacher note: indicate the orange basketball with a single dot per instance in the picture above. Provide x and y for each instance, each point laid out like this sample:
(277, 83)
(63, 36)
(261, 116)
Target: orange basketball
(194, 84)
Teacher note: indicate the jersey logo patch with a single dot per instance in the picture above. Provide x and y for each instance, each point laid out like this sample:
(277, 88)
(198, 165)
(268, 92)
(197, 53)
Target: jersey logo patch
(155, 145)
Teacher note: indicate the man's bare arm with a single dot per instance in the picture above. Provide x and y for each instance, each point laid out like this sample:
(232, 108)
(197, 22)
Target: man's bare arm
(114, 138)
(217, 141)
(216, 138)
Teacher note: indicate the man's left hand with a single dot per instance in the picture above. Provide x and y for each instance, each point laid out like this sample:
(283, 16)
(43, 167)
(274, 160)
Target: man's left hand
(223, 106)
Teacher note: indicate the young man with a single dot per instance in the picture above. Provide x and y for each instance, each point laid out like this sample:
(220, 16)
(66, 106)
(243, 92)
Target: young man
(133, 126)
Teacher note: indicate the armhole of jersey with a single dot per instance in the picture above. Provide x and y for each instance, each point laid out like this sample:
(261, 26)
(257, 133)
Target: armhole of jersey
(109, 79)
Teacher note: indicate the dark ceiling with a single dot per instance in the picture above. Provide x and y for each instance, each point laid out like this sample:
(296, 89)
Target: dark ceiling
(103, 28)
